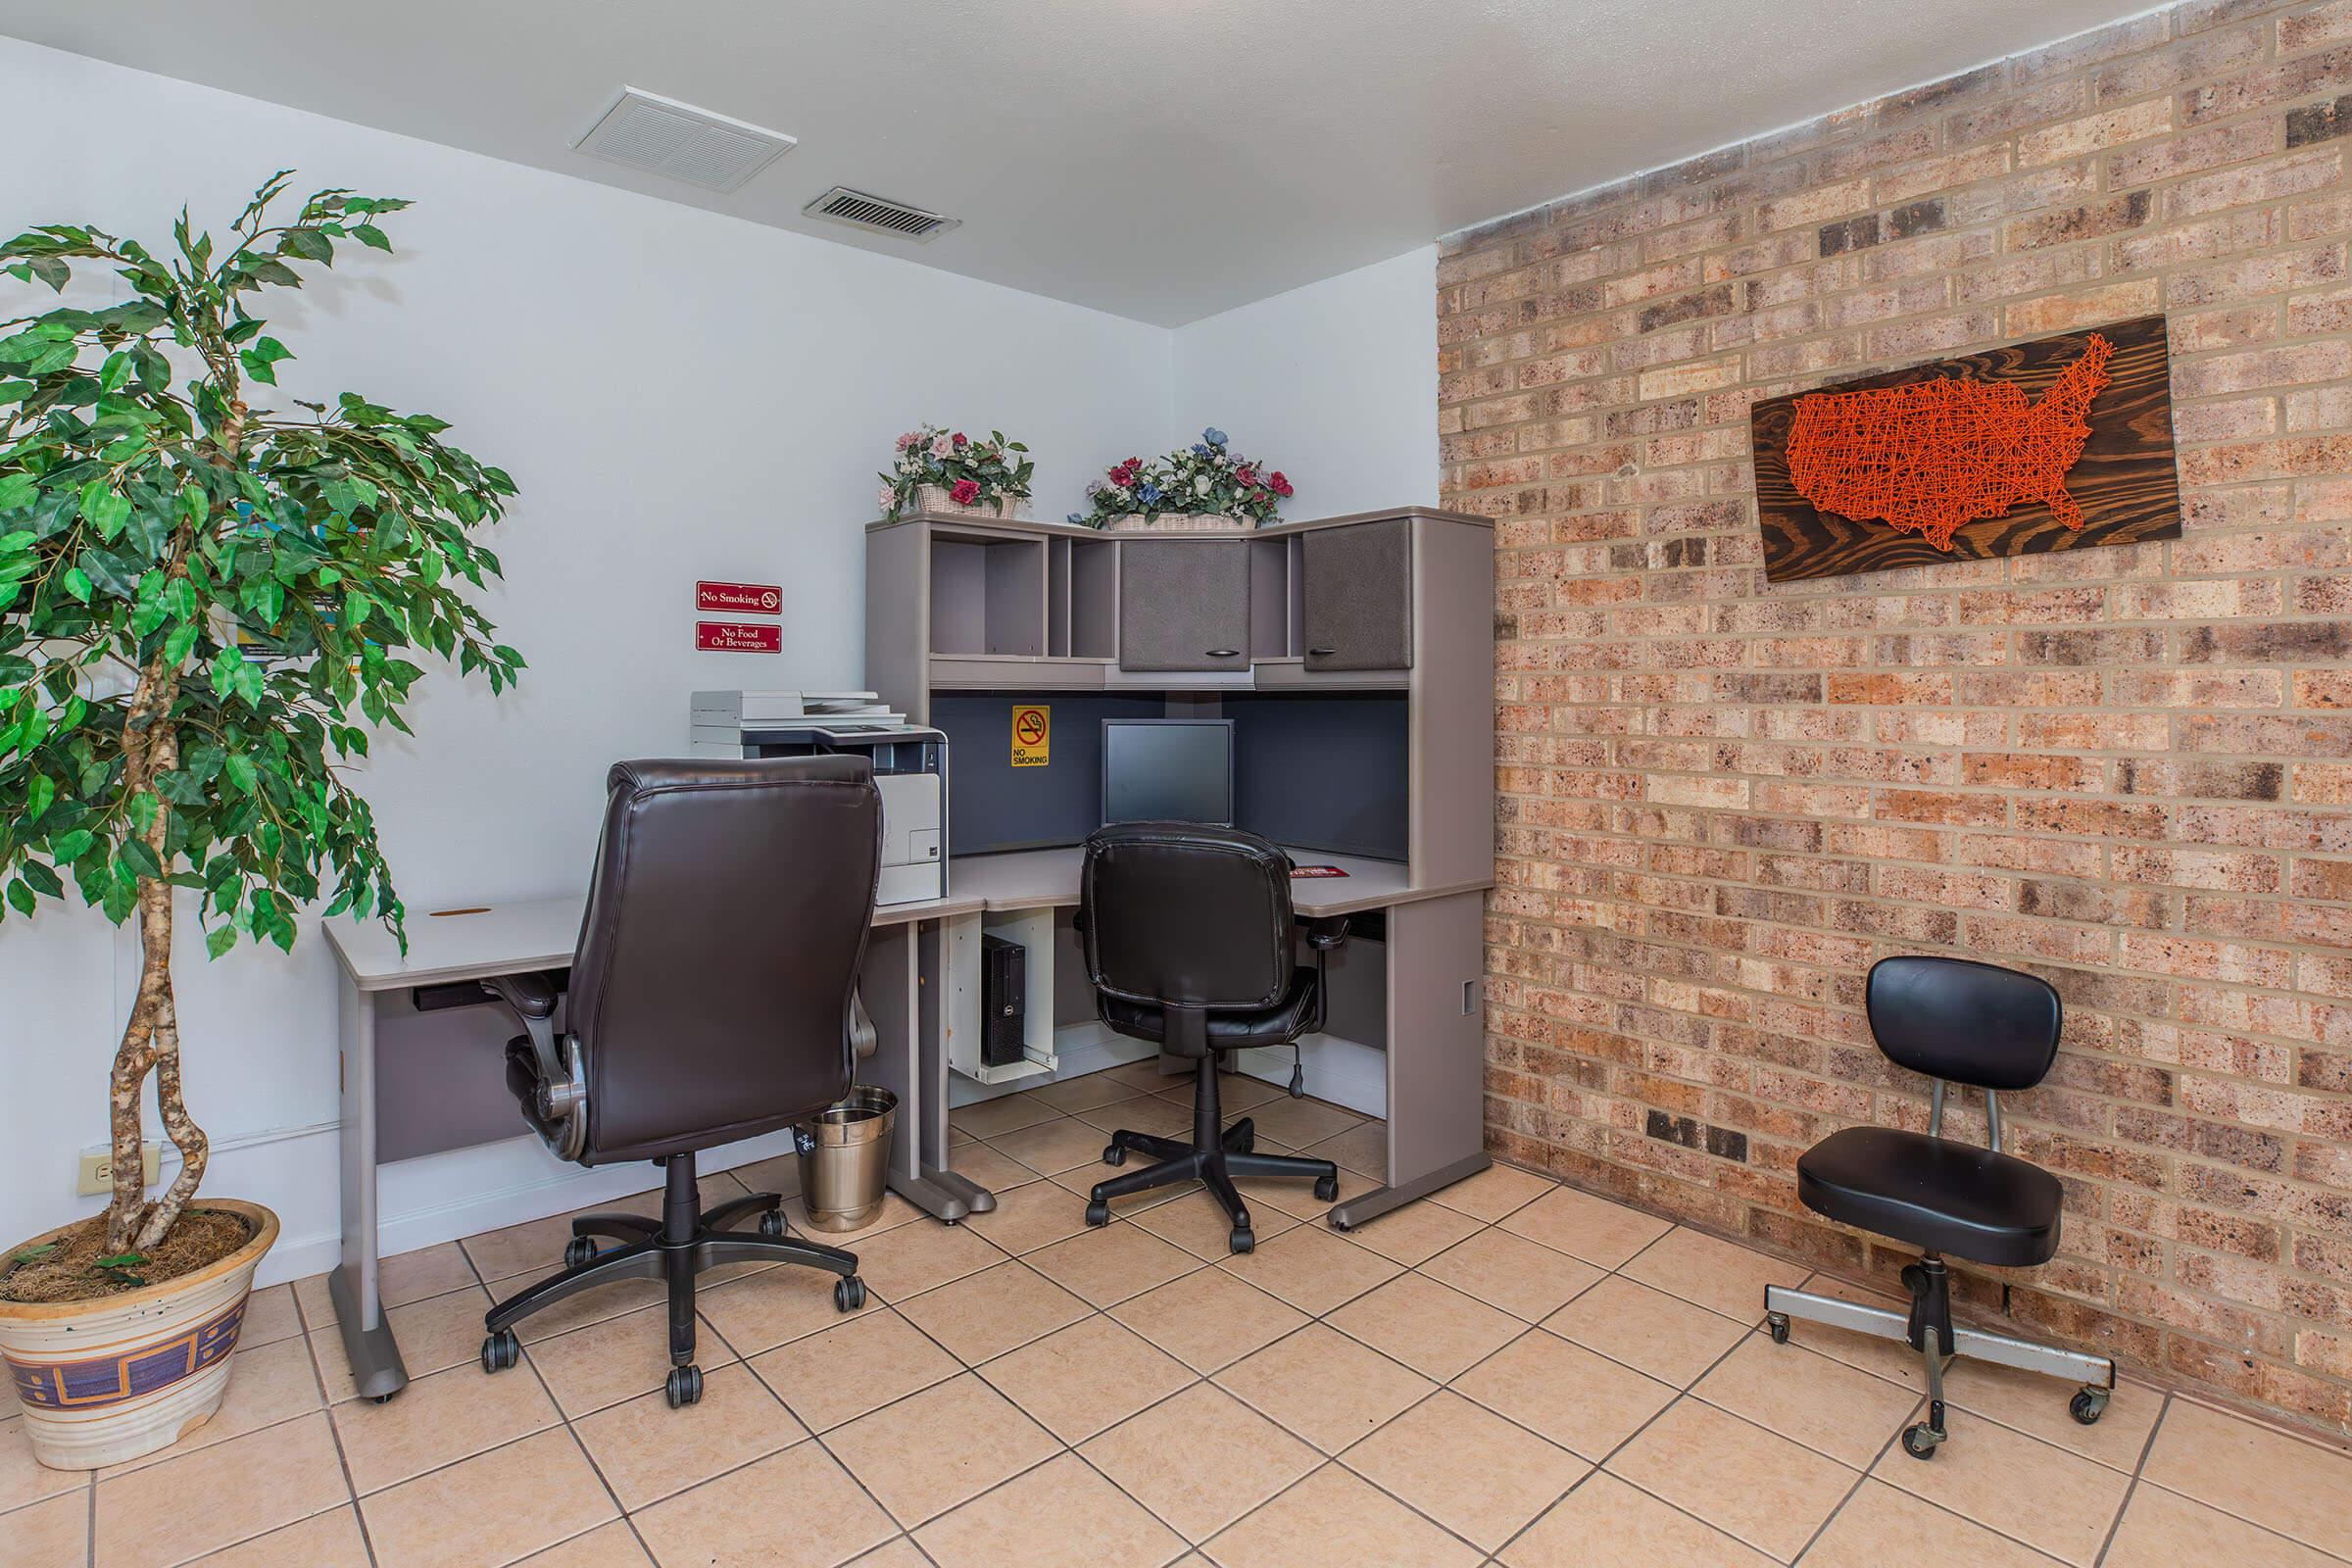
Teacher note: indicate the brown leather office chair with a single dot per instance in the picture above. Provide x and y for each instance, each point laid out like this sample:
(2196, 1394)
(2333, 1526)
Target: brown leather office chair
(1188, 941)
(709, 1000)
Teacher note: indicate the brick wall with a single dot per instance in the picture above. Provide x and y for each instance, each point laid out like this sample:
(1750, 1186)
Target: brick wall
(2128, 769)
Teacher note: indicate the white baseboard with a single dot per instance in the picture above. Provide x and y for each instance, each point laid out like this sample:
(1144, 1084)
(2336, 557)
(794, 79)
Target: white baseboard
(536, 1185)
(441, 1198)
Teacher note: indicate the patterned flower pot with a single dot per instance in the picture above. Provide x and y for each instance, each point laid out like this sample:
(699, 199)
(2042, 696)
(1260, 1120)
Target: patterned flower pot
(112, 1379)
(935, 498)
(1175, 522)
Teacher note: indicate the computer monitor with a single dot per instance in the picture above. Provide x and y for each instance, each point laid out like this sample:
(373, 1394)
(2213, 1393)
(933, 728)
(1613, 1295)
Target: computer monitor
(1168, 770)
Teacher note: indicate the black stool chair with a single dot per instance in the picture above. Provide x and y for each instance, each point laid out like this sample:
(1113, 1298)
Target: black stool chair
(1188, 941)
(1970, 1024)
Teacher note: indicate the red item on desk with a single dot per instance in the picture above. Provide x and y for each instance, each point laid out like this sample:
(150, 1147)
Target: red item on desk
(1316, 871)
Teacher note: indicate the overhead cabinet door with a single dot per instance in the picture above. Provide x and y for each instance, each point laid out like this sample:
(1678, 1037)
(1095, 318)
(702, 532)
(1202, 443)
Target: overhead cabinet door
(1357, 609)
(1184, 603)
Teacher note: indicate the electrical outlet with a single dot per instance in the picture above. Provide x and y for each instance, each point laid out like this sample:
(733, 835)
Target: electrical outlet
(98, 1167)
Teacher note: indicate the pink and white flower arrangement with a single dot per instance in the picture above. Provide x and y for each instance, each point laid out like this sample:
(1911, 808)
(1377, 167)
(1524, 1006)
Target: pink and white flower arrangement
(1208, 477)
(971, 473)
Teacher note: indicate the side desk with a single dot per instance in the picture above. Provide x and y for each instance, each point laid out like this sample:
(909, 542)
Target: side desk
(921, 987)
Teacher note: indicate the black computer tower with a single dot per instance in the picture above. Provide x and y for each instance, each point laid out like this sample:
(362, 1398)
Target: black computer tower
(1003, 1004)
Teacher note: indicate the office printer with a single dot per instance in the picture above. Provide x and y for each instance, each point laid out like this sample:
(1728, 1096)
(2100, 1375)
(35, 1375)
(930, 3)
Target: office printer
(909, 763)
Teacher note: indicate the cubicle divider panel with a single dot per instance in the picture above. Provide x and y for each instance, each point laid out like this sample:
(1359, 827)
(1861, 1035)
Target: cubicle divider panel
(450, 1089)
(1323, 771)
(997, 805)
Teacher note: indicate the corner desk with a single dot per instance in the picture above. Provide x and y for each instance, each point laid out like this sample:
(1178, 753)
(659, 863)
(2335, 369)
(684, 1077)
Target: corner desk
(920, 986)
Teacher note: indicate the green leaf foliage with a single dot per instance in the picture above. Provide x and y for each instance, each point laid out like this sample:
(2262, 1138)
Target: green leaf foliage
(286, 575)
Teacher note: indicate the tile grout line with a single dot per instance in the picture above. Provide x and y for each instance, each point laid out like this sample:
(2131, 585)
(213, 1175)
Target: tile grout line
(2131, 1489)
(1323, 1460)
(1684, 1391)
(904, 1531)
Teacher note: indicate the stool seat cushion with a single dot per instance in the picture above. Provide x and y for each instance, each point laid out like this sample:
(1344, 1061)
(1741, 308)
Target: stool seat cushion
(1939, 1196)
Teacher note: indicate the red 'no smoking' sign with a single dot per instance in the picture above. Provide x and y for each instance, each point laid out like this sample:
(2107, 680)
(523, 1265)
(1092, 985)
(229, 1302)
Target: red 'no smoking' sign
(1032, 735)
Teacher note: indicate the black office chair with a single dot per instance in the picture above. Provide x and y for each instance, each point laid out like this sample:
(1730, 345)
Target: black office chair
(1970, 1024)
(1189, 941)
(710, 1001)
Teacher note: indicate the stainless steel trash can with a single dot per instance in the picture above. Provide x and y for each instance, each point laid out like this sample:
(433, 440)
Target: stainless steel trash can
(845, 1158)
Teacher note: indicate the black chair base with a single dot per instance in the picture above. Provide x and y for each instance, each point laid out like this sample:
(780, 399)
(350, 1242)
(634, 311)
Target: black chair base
(686, 1242)
(1215, 1155)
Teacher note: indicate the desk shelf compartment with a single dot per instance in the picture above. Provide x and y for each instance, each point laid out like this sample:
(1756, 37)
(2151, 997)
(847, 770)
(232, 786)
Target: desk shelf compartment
(988, 595)
(1033, 929)
(1082, 599)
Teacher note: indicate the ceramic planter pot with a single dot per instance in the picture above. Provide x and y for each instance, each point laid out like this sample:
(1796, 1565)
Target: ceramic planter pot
(1176, 522)
(935, 498)
(112, 1379)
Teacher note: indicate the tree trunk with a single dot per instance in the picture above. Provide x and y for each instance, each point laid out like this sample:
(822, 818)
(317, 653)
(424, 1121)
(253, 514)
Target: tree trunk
(151, 1035)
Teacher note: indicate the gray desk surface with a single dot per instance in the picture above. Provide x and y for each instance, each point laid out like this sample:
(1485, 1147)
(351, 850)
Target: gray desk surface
(540, 933)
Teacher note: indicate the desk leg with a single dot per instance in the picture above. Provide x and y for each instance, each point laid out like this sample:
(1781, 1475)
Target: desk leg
(1437, 1054)
(905, 984)
(354, 1286)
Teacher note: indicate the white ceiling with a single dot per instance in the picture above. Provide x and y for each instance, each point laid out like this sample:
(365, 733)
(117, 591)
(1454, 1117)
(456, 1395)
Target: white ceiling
(1160, 159)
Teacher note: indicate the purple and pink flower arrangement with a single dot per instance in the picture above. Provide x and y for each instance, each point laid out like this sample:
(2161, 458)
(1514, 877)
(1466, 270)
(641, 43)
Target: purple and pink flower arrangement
(970, 472)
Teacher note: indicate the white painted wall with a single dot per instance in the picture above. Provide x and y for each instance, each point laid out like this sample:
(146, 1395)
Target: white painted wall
(678, 394)
(1332, 383)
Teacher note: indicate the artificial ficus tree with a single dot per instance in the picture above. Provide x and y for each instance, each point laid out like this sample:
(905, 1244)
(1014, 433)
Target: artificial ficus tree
(204, 606)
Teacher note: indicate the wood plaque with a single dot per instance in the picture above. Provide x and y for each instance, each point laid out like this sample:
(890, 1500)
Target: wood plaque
(2124, 481)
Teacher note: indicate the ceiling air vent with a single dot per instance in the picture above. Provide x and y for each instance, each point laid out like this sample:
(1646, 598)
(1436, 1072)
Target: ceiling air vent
(679, 141)
(880, 213)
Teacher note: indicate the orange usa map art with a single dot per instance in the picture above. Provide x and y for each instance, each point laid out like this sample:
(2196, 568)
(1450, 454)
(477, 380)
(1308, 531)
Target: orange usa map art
(1928, 456)
(2059, 443)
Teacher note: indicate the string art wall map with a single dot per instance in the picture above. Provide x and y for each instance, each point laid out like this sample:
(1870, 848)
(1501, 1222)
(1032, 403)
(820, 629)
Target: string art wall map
(2062, 443)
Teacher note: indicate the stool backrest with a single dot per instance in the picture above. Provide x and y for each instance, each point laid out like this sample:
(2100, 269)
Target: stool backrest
(1969, 1022)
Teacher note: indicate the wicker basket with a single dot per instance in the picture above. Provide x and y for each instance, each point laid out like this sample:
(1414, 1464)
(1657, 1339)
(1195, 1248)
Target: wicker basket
(1176, 522)
(935, 498)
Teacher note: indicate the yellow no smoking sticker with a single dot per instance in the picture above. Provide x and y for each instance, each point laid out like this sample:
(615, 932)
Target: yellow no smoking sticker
(1032, 735)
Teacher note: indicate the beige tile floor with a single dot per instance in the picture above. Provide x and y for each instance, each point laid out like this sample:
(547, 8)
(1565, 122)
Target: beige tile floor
(1511, 1374)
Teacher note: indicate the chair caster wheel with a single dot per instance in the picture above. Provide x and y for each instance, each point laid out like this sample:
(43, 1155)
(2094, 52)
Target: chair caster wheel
(849, 1294)
(1098, 1213)
(1777, 1324)
(1114, 1154)
(1326, 1189)
(685, 1385)
(1920, 1441)
(579, 1252)
(2087, 1406)
(771, 1223)
(500, 1350)
(1242, 1240)
(380, 1398)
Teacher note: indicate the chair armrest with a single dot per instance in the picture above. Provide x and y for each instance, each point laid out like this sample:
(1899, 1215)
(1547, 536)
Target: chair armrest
(532, 996)
(1326, 932)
